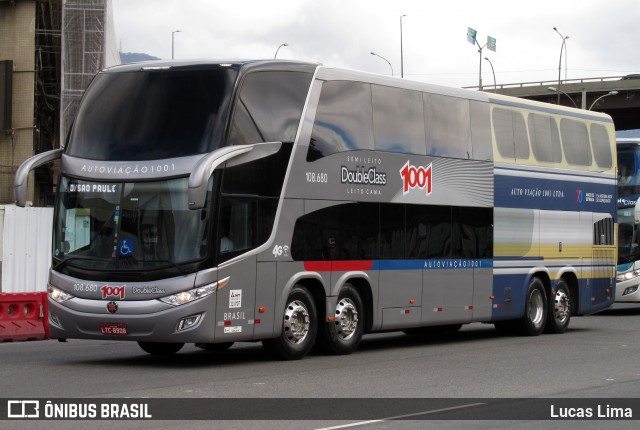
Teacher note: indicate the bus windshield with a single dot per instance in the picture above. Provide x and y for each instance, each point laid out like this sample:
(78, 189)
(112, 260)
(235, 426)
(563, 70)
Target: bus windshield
(151, 115)
(628, 193)
(127, 227)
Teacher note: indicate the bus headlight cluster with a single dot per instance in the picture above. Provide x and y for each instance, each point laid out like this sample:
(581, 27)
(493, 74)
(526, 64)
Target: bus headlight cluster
(58, 295)
(628, 275)
(194, 294)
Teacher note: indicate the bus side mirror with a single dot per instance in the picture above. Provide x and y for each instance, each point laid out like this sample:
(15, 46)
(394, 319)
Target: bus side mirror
(22, 174)
(636, 212)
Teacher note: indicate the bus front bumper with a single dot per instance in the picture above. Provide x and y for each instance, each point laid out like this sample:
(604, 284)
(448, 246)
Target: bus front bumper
(628, 291)
(144, 320)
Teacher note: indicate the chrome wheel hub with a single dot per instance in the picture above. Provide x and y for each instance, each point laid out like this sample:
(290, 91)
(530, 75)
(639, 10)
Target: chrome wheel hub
(536, 308)
(561, 306)
(296, 322)
(346, 319)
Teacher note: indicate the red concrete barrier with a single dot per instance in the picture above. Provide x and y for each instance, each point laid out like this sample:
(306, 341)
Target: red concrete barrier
(23, 316)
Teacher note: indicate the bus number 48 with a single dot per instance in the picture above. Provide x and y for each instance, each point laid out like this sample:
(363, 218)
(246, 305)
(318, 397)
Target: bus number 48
(416, 177)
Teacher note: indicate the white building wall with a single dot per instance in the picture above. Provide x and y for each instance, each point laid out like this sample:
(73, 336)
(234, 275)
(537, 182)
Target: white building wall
(26, 249)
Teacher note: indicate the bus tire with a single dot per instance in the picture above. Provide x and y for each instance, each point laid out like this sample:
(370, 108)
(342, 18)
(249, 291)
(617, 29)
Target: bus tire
(535, 309)
(559, 313)
(158, 348)
(300, 325)
(343, 335)
(215, 347)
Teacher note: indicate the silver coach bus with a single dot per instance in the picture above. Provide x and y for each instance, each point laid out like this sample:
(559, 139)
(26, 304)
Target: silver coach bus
(297, 204)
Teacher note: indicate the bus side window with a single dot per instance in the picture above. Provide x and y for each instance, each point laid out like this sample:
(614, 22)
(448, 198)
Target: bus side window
(236, 226)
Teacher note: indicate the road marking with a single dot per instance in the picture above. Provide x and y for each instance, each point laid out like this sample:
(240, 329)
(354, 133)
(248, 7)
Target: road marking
(362, 423)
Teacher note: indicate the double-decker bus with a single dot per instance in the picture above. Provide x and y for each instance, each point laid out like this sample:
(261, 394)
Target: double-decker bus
(628, 277)
(299, 205)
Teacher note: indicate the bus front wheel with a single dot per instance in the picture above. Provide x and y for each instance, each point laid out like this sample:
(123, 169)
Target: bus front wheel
(299, 327)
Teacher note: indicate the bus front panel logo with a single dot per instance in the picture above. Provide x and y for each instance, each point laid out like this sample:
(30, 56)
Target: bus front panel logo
(416, 177)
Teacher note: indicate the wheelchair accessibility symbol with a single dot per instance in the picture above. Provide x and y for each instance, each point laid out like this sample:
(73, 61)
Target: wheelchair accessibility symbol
(126, 248)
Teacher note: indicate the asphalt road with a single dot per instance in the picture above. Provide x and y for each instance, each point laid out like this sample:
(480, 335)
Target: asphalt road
(597, 358)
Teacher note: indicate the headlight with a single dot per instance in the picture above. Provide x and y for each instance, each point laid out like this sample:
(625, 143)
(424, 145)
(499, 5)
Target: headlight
(627, 275)
(194, 294)
(58, 295)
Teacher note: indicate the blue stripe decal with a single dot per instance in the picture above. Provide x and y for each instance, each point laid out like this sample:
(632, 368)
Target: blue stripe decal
(438, 264)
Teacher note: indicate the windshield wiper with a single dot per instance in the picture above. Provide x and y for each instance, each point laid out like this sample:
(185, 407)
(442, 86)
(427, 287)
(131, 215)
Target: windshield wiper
(173, 263)
(74, 257)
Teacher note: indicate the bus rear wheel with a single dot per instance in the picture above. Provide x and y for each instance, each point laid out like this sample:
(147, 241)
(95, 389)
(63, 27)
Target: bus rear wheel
(559, 313)
(299, 327)
(157, 348)
(343, 335)
(535, 309)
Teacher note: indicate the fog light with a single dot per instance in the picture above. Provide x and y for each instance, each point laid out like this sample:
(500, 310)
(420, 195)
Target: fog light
(54, 320)
(188, 322)
(630, 290)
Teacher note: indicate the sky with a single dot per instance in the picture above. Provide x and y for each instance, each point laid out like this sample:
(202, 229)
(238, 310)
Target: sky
(604, 35)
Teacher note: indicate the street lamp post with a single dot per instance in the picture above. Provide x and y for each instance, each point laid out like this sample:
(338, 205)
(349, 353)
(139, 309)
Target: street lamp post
(401, 53)
(610, 93)
(276, 54)
(495, 88)
(562, 47)
(558, 90)
(173, 33)
(380, 56)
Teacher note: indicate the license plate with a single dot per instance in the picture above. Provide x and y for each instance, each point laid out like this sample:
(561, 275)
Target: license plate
(114, 329)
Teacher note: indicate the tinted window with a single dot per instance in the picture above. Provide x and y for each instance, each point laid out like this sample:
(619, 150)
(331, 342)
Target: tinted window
(575, 142)
(269, 107)
(352, 232)
(447, 126)
(601, 146)
(149, 115)
(520, 136)
(545, 139)
(236, 226)
(511, 134)
(472, 234)
(428, 232)
(480, 131)
(343, 119)
(392, 232)
(262, 177)
(398, 121)
(343, 232)
(243, 224)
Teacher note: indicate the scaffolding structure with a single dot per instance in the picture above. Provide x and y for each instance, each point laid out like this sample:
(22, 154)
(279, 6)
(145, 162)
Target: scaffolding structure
(87, 48)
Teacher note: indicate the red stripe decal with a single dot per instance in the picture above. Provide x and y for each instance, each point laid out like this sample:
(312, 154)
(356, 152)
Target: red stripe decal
(338, 266)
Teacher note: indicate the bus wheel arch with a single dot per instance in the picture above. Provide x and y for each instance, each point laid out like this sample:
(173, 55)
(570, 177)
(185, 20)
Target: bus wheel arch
(363, 288)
